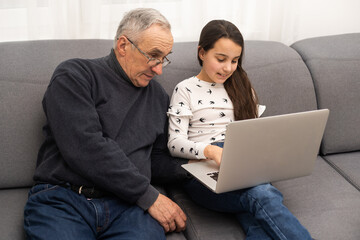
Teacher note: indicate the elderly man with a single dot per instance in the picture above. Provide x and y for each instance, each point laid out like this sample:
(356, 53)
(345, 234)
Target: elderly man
(106, 125)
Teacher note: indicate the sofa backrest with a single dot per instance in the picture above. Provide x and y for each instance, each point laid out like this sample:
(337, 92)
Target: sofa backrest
(25, 71)
(277, 72)
(280, 77)
(334, 63)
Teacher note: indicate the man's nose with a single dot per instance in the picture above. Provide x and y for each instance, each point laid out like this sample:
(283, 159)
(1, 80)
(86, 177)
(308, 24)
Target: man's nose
(157, 69)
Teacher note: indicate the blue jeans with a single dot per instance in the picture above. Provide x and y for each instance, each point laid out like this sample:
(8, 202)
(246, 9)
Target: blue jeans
(260, 210)
(55, 212)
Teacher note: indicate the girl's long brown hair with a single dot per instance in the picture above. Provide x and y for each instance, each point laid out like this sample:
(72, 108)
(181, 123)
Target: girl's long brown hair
(238, 86)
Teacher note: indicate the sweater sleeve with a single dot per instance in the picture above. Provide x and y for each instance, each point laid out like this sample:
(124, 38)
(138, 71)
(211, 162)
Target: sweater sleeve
(77, 130)
(180, 114)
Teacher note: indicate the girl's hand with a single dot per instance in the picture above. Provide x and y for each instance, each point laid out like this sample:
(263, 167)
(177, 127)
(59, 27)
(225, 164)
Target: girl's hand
(213, 152)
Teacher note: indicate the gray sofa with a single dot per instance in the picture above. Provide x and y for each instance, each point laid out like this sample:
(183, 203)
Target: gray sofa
(310, 74)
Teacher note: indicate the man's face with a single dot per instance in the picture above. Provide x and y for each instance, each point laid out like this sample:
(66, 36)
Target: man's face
(155, 42)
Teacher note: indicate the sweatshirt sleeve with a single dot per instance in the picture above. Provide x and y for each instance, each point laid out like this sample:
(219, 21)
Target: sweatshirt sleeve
(77, 130)
(180, 114)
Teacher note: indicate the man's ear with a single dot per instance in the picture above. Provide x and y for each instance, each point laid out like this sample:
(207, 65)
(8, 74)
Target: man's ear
(121, 45)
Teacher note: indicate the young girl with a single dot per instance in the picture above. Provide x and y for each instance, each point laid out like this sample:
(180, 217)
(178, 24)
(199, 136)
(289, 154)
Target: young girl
(200, 109)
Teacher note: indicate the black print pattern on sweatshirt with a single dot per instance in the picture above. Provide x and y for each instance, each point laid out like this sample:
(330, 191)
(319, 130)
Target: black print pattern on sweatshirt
(206, 96)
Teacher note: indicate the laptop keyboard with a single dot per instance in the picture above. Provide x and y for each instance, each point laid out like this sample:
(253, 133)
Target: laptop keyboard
(213, 175)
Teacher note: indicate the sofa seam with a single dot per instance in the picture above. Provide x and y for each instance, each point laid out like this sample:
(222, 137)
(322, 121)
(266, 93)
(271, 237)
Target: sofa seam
(312, 77)
(342, 173)
(189, 221)
(25, 82)
(273, 64)
(332, 59)
(191, 224)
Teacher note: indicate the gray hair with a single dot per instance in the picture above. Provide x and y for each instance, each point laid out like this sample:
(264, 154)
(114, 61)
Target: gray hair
(137, 21)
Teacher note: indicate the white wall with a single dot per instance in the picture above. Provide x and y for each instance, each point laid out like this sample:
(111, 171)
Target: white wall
(279, 20)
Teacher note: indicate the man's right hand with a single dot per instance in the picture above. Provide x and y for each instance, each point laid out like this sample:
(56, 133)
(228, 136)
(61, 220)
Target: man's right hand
(168, 214)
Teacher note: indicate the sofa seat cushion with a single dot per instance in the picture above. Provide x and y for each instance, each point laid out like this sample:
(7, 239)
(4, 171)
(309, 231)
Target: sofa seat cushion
(324, 202)
(12, 202)
(175, 236)
(348, 165)
(203, 224)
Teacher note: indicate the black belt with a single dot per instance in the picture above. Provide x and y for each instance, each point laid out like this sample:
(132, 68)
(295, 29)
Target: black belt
(89, 192)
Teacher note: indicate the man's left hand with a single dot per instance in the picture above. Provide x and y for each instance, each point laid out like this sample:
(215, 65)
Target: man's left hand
(168, 214)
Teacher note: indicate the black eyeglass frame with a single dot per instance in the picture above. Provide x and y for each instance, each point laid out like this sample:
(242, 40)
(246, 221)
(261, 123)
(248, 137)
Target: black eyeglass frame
(155, 61)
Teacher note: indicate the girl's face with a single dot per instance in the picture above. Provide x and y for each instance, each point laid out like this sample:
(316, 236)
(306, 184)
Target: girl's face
(220, 62)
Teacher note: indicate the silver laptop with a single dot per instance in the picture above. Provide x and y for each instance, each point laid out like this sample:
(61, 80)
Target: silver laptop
(264, 150)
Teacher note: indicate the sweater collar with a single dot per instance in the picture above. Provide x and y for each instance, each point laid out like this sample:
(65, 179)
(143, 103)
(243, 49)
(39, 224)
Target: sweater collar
(115, 66)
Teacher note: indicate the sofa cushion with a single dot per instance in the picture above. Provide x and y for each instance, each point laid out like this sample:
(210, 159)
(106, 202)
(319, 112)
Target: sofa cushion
(175, 236)
(203, 224)
(320, 201)
(334, 63)
(283, 84)
(348, 165)
(12, 202)
(281, 80)
(324, 202)
(25, 70)
(21, 121)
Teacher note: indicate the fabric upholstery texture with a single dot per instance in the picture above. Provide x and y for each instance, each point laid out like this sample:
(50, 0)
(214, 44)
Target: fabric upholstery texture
(313, 73)
(347, 164)
(21, 122)
(323, 200)
(334, 63)
(203, 224)
(184, 64)
(25, 71)
(12, 202)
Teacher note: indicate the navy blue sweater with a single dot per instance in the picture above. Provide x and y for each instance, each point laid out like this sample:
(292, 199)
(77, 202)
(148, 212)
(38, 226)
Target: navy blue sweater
(103, 131)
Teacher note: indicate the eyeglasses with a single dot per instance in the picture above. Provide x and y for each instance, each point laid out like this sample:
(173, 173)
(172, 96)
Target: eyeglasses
(153, 62)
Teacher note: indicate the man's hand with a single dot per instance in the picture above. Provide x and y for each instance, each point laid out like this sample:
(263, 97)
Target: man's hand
(168, 214)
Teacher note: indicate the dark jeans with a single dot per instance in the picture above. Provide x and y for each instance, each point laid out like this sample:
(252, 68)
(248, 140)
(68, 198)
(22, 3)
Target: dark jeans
(260, 210)
(55, 212)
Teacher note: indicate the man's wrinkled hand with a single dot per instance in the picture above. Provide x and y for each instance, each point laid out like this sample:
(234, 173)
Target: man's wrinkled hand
(168, 214)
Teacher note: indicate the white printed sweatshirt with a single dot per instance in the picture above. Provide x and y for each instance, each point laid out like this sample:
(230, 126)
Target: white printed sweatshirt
(199, 112)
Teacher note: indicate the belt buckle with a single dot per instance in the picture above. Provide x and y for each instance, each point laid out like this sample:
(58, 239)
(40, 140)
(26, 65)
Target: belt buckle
(80, 189)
